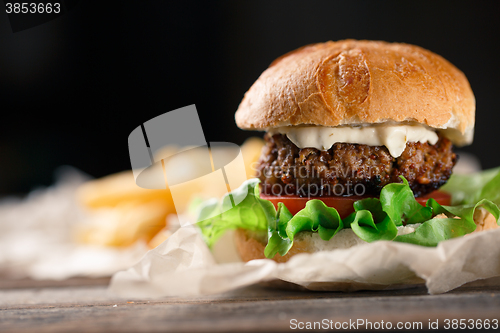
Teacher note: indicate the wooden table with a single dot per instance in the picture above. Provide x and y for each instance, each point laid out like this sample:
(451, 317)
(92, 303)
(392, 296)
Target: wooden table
(83, 305)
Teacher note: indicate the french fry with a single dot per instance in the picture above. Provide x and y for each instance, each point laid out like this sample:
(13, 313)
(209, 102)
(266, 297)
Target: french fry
(124, 224)
(115, 189)
(120, 212)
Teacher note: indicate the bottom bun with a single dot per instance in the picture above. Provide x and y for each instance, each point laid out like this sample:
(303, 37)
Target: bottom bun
(250, 244)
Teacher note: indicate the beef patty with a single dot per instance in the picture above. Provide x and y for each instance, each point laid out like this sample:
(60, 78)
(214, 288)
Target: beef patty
(351, 169)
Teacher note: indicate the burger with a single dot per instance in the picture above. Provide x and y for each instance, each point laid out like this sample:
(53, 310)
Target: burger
(360, 138)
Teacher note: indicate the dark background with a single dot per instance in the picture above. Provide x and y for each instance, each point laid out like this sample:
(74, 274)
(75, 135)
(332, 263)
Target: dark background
(72, 89)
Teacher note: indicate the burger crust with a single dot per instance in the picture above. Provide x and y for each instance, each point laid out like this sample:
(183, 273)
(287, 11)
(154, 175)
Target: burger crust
(360, 82)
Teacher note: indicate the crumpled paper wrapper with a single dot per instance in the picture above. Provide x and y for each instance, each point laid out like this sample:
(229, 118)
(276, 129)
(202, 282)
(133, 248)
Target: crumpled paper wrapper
(183, 265)
(36, 236)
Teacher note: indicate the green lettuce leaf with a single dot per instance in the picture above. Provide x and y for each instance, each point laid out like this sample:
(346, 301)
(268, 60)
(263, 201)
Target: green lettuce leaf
(252, 213)
(465, 212)
(370, 222)
(278, 241)
(373, 205)
(470, 188)
(315, 217)
(373, 219)
(399, 203)
(438, 229)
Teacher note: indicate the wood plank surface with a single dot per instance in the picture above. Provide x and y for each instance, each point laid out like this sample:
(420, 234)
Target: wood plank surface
(256, 308)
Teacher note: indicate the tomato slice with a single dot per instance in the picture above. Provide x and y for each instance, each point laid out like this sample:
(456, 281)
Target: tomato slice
(344, 205)
(442, 198)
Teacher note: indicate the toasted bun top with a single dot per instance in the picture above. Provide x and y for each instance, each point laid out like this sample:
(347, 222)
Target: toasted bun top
(361, 82)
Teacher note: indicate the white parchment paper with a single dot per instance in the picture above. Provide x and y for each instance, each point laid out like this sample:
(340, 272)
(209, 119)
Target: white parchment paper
(183, 265)
(36, 236)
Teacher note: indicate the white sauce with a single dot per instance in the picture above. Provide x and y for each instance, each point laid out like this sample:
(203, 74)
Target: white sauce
(394, 137)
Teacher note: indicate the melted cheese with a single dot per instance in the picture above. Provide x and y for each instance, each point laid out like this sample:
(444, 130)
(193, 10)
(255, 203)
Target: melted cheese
(394, 137)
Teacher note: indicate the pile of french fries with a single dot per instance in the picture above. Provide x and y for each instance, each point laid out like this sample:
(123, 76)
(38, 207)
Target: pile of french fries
(119, 213)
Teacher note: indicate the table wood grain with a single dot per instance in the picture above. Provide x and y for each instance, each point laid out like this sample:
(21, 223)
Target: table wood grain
(90, 308)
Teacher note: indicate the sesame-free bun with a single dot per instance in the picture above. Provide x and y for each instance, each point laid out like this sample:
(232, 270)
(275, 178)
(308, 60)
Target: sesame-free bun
(361, 82)
(250, 245)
